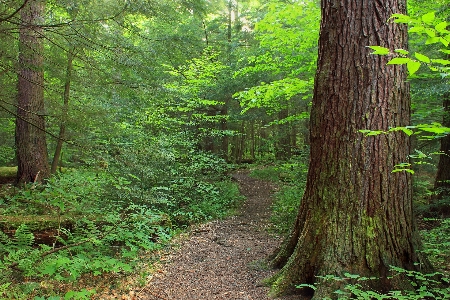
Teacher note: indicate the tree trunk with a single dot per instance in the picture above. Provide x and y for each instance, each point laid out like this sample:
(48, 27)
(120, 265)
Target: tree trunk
(62, 126)
(283, 138)
(252, 140)
(356, 214)
(31, 145)
(442, 181)
(224, 128)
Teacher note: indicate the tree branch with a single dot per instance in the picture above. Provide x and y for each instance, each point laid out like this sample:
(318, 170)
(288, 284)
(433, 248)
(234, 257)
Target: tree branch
(15, 12)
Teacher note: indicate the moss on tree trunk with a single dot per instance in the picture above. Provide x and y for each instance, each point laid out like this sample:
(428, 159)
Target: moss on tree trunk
(356, 214)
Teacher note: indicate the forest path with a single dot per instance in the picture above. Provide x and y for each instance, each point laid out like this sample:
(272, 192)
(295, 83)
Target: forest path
(223, 259)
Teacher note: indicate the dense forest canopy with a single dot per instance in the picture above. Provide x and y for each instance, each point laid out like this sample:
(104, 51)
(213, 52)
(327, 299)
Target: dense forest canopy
(121, 122)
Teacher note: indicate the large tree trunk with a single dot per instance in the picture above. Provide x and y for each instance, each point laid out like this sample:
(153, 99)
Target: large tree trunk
(31, 145)
(356, 214)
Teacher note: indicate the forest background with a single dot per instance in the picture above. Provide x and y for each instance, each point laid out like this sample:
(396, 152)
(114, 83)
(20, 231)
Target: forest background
(146, 107)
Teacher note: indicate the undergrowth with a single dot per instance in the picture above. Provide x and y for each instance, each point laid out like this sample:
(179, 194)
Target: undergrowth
(426, 286)
(291, 178)
(84, 224)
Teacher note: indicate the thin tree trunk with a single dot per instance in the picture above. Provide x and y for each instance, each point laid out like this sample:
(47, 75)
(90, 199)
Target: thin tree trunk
(252, 140)
(282, 139)
(442, 181)
(229, 31)
(242, 142)
(356, 214)
(65, 109)
(224, 128)
(31, 144)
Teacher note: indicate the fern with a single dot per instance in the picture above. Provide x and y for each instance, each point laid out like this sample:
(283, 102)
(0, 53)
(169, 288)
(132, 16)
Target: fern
(5, 243)
(24, 238)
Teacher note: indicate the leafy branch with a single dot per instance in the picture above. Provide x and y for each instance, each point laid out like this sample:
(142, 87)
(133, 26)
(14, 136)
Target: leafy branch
(435, 32)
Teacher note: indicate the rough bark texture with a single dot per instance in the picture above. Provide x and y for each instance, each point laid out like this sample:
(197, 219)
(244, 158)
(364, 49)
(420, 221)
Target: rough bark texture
(356, 214)
(31, 146)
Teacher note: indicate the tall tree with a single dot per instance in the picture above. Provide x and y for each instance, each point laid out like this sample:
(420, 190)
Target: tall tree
(31, 145)
(65, 108)
(442, 180)
(356, 214)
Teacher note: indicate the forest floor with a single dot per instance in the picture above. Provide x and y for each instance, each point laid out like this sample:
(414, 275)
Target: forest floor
(222, 259)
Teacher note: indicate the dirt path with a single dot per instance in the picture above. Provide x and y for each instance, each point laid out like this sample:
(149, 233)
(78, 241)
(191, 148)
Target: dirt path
(222, 259)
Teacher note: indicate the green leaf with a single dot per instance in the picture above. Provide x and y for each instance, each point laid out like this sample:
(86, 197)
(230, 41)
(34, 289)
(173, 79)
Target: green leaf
(378, 50)
(353, 276)
(406, 130)
(434, 128)
(340, 292)
(306, 285)
(422, 58)
(431, 32)
(399, 61)
(413, 67)
(401, 51)
(428, 18)
(442, 27)
(401, 18)
(416, 29)
(400, 170)
(432, 40)
(445, 42)
(441, 61)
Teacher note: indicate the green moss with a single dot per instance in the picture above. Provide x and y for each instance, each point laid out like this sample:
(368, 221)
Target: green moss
(8, 171)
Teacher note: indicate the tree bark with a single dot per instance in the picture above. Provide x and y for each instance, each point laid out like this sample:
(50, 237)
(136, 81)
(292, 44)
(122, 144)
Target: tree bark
(31, 145)
(356, 214)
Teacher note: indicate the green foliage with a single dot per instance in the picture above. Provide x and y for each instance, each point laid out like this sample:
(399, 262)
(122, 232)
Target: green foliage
(72, 192)
(291, 176)
(194, 82)
(425, 131)
(103, 220)
(285, 207)
(285, 62)
(282, 90)
(437, 243)
(434, 31)
(270, 173)
(427, 286)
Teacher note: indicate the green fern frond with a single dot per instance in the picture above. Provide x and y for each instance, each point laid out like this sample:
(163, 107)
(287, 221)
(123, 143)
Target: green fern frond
(24, 237)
